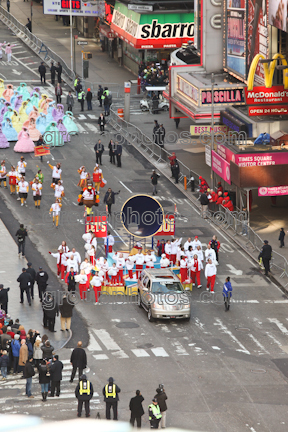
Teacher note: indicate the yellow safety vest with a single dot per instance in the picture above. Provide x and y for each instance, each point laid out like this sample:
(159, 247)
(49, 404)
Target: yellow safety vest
(113, 393)
(85, 390)
(75, 82)
(156, 411)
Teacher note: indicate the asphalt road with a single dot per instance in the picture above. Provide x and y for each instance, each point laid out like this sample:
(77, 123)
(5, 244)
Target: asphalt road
(221, 371)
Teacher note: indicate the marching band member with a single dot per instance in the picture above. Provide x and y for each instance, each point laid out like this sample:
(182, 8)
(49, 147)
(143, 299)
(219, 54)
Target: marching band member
(23, 191)
(58, 190)
(113, 273)
(97, 177)
(61, 262)
(83, 177)
(12, 175)
(21, 166)
(37, 192)
(96, 283)
(196, 242)
(82, 280)
(55, 210)
(187, 244)
(150, 259)
(139, 260)
(168, 249)
(64, 247)
(130, 266)
(196, 267)
(174, 244)
(210, 274)
(110, 240)
(183, 268)
(56, 172)
(164, 261)
(210, 254)
(120, 264)
(3, 174)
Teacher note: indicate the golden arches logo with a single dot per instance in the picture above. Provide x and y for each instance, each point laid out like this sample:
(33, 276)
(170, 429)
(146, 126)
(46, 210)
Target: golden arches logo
(269, 70)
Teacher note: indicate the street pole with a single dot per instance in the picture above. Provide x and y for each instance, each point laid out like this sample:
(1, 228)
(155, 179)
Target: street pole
(71, 35)
(31, 14)
(74, 55)
(212, 126)
(127, 89)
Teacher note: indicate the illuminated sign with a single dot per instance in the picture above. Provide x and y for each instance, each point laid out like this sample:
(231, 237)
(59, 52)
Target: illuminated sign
(76, 4)
(269, 70)
(79, 8)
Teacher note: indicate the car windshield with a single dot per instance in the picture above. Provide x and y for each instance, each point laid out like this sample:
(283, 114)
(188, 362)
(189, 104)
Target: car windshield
(166, 287)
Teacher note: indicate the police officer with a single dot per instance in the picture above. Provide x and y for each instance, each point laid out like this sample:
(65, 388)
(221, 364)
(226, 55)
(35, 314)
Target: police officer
(154, 414)
(110, 393)
(32, 273)
(84, 393)
(266, 255)
(41, 280)
(81, 99)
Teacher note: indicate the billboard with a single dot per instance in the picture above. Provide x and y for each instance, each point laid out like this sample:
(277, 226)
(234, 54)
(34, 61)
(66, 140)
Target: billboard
(221, 167)
(79, 8)
(278, 14)
(234, 43)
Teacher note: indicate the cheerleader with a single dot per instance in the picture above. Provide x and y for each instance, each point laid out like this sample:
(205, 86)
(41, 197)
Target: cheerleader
(130, 266)
(150, 259)
(164, 261)
(113, 273)
(97, 178)
(92, 254)
(64, 247)
(61, 262)
(120, 264)
(82, 280)
(83, 177)
(96, 283)
(58, 190)
(55, 210)
(21, 166)
(23, 191)
(105, 268)
(139, 260)
(56, 172)
(12, 175)
(37, 193)
(196, 267)
(3, 174)
(183, 268)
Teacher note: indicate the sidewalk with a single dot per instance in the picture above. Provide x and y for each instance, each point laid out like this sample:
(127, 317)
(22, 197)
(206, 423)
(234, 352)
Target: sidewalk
(11, 268)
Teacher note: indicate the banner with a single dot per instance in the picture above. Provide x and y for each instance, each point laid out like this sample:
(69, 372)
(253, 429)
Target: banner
(268, 111)
(168, 226)
(198, 130)
(273, 191)
(97, 224)
(235, 38)
(221, 167)
(79, 8)
(263, 95)
(41, 150)
(278, 14)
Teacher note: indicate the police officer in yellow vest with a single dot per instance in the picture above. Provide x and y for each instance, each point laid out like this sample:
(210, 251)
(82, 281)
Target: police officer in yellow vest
(110, 393)
(154, 414)
(84, 392)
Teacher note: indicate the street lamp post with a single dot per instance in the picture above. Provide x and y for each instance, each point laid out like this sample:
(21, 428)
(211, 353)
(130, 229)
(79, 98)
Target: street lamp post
(71, 36)
(31, 14)
(212, 125)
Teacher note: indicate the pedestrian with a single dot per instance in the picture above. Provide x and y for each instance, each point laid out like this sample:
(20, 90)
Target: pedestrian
(29, 26)
(281, 237)
(109, 199)
(56, 376)
(47, 350)
(59, 72)
(204, 201)
(177, 121)
(50, 311)
(4, 298)
(41, 280)
(84, 393)
(227, 293)
(172, 159)
(53, 73)
(215, 245)
(106, 100)
(78, 361)
(161, 248)
(37, 352)
(5, 339)
(118, 154)
(99, 95)
(23, 356)
(136, 409)
(58, 93)
(154, 414)
(176, 170)
(89, 98)
(25, 282)
(75, 83)
(15, 345)
(8, 6)
(266, 255)
(70, 101)
(210, 274)
(101, 123)
(32, 273)
(155, 132)
(154, 181)
(161, 399)
(28, 374)
(110, 392)
(112, 151)
(44, 379)
(42, 72)
(81, 99)
(8, 52)
(99, 149)
(161, 135)
(4, 362)
(66, 312)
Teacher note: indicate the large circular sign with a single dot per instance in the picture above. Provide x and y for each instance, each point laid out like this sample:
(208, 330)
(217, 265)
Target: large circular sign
(142, 216)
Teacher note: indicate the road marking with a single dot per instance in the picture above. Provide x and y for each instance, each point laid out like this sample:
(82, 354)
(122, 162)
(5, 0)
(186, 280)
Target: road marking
(19, 52)
(228, 332)
(92, 116)
(180, 350)
(125, 186)
(140, 353)
(258, 343)
(120, 354)
(281, 327)
(81, 117)
(159, 352)
(106, 339)
(91, 127)
(93, 344)
(21, 58)
(81, 129)
(118, 235)
(233, 270)
(100, 357)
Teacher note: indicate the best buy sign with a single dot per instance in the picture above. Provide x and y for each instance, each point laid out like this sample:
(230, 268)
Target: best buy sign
(168, 30)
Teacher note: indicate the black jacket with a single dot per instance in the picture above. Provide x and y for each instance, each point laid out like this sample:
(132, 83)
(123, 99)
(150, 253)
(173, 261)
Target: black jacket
(204, 199)
(106, 399)
(4, 296)
(101, 145)
(281, 235)
(71, 282)
(66, 309)
(28, 370)
(56, 371)
(112, 197)
(43, 377)
(119, 150)
(78, 358)
(112, 148)
(101, 121)
(25, 280)
(89, 96)
(42, 278)
(100, 92)
(47, 352)
(52, 310)
(175, 168)
(161, 399)
(266, 252)
(154, 178)
(42, 69)
(136, 407)
(21, 234)
(84, 396)
(32, 273)
(53, 71)
(59, 70)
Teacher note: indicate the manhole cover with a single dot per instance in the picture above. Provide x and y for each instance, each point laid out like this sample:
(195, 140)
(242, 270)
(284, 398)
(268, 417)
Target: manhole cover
(127, 325)
(260, 371)
(148, 345)
(243, 329)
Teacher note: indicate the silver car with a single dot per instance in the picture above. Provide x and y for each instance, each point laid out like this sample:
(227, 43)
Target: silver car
(162, 295)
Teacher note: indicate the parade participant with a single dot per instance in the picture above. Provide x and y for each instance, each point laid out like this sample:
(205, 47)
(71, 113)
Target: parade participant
(68, 121)
(104, 268)
(21, 166)
(23, 191)
(210, 254)
(215, 244)
(160, 247)
(88, 198)
(92, 254)
(96, 283)
(113, 271)
(8, 130)
(61, 262)
(76, 255)
(37, 192)
(55, 210)
(180, 252)
(64, 247)
(130, 266)
(86, 266)
(4, 143)
(139, 261)
(199, 253)
(109, 240)
(174, 244)
(195, 267)
(8, 92)
(188, 243)
(164, 261)
(210, 274)
(24, 143)
(183, 268)
(220, 198)
(120, 264)
(58, 190)
(70, 279)
(97, 177)
(72, 262)
(87, 237)
(12, 175)
(82, 280)
(168, 249)
(83, 177)
(56, 172)
(196, 242)
(150, 259)
(219, 188)
(84, 393)
(190, 253)
(99, 149)
(3, 174)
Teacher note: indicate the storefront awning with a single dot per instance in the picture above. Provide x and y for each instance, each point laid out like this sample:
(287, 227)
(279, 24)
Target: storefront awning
(106, 31)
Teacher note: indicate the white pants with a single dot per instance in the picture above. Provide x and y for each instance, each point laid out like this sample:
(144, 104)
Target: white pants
(9, 57)
(163, 419)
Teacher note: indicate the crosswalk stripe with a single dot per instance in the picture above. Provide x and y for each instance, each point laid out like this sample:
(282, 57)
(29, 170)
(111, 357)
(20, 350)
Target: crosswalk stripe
(120, 354)
(159, 352)
(140, 353)
(93, 344)
(91, 127)
(258, 343)
(180, 350)
(100, 357)
(80, 128)
(281, 327)
(106, 340)
(92, 116)
(228, 332)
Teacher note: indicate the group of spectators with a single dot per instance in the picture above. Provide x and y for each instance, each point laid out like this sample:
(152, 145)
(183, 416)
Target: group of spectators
(153, 75)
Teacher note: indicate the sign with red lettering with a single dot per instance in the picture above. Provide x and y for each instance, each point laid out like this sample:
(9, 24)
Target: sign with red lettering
(168, 226)
(41, 150)
(263, 95)
(97, 224)
(224, 96)
(76, 4)
(268, 111)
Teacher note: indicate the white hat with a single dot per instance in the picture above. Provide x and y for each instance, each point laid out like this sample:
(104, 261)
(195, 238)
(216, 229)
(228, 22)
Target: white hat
(163, 256)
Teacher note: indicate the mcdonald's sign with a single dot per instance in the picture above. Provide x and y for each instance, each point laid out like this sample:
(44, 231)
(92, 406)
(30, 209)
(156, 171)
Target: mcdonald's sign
(267, 94)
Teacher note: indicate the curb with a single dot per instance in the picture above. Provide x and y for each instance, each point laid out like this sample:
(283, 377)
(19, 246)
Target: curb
(66, 341)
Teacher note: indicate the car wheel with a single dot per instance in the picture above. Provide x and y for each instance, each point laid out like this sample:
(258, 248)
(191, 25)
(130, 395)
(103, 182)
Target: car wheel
(166, 108)
(139, 300)
(149, 314)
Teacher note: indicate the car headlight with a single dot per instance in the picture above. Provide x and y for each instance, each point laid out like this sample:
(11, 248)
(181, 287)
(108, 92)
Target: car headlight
(157, 306)
(186, 306)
